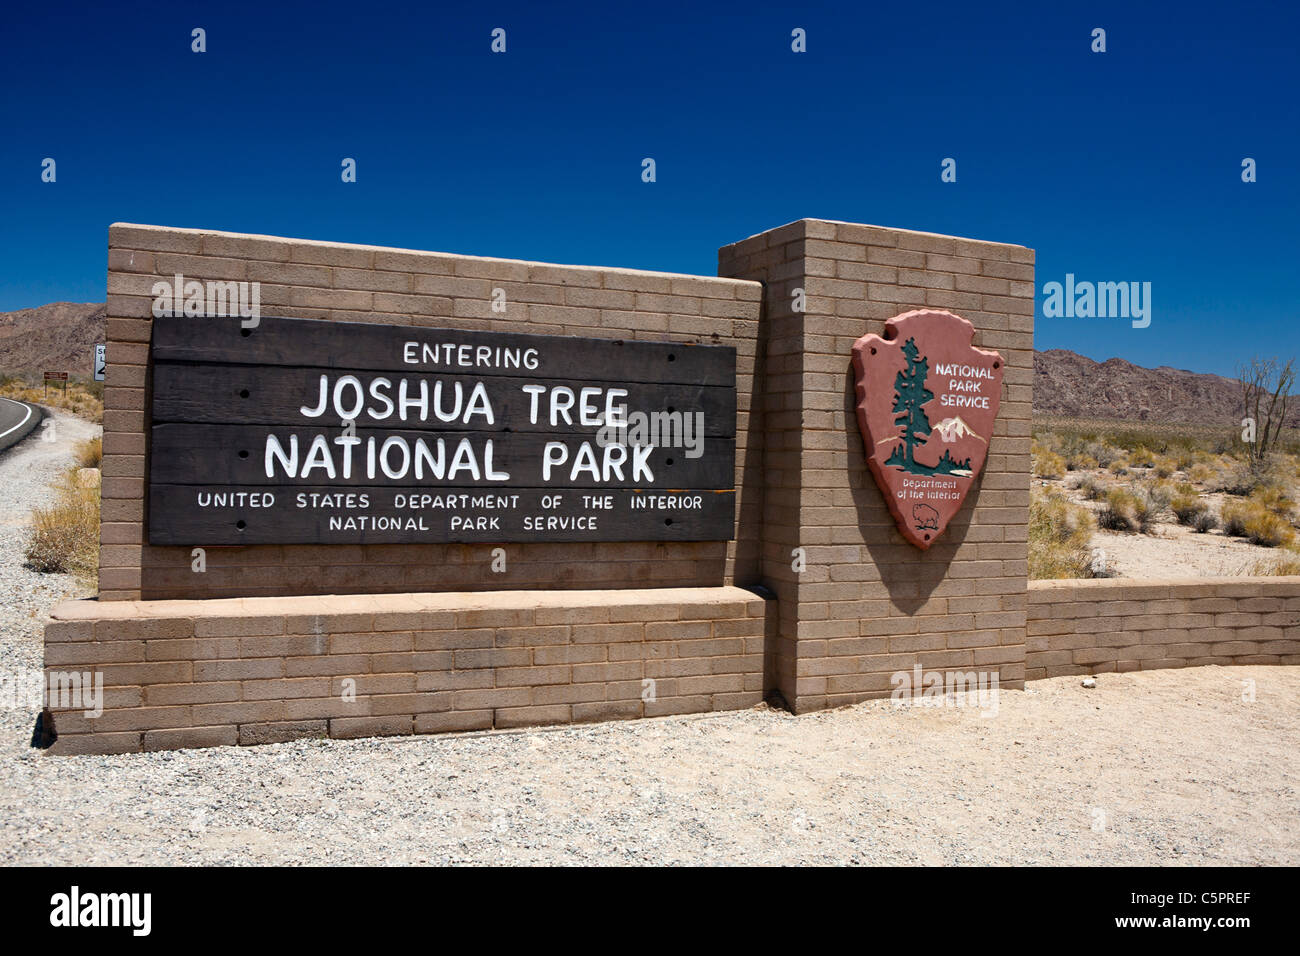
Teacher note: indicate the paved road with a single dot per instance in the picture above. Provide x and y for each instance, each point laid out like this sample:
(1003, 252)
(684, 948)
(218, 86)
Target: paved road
(17, 420)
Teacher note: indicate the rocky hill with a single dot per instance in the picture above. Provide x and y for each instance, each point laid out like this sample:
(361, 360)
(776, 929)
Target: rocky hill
(58, 337)
(1071, 385)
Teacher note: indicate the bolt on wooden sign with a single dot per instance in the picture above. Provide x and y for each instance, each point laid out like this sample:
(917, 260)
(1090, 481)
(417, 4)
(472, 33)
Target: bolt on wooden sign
(927, 400)
(309, 431)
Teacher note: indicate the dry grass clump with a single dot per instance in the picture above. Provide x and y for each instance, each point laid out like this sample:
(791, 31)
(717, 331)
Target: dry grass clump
(1268, 530)
(1120, 511)
(1048, 464)
(1188, 506)
(1204, 522)
(64, 536)
(89, 453)
(1141, 457)
(1275, 498)
(1288, 562)
(1059, 537)
(1092, 488)
(1256, 523)
(1103, 452)
(1134, 508)
(1234, 515)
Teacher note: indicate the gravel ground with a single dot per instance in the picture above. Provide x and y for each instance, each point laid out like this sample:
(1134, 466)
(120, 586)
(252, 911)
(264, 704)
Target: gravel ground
(1162, 767)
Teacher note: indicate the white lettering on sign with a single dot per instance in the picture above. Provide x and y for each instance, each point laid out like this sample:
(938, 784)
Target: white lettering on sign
(967, 382)
(469, 356)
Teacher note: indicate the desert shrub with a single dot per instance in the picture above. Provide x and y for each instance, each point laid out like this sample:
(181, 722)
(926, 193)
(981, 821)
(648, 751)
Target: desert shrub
(1134, 508)
(1091, 487)
(1102, 452)
(1201, 473)
(1118, 467)
(1233, 478)
(1205, 521)
(1187, 508)
(64, 536)
(1164, 466)
(90, 453)
(1243, 478)
(1274, 498)
(1267, 529)
(1153, 498)
(1048, 464)
(1234, 515)
(1119, 511)
(1141, 457)
(1060, 536)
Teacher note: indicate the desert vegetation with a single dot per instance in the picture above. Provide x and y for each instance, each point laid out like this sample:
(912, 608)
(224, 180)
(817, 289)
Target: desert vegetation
(1164, 481)
(64, 535)
(85, 399)
(1060, 536)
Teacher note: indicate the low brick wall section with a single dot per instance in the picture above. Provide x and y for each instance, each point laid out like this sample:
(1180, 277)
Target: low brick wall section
(260, 670)
(1089, 627)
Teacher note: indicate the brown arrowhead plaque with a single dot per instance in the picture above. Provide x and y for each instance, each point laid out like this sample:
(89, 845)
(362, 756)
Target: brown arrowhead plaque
(927, 400)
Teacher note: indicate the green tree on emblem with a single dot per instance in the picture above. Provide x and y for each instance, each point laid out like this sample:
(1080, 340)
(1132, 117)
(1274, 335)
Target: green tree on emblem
(911, 394)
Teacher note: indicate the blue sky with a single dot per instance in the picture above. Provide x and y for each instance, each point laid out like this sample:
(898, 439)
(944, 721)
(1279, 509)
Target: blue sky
(1122, 166)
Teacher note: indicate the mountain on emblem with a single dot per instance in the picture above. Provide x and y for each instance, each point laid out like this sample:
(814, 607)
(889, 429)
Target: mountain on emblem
(925, 367)
(953, 428)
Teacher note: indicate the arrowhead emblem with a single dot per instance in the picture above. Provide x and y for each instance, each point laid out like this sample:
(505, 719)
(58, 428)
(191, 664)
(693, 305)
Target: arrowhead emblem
(927, 400)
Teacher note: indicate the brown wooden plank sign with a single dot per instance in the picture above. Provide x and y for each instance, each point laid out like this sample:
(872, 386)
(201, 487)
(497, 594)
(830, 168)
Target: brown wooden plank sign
(927, 400)
(308, 431)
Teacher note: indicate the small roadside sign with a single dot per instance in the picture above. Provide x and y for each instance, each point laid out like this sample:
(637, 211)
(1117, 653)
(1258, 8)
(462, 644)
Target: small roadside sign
(101, 362)
(56, 377)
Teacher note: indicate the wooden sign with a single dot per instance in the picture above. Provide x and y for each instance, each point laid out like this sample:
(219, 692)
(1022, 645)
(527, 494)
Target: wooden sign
(308, 431)
(59, 378)
(927, 400)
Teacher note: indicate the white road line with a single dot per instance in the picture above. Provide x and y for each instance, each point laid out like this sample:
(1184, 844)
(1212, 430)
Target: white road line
(21, 423)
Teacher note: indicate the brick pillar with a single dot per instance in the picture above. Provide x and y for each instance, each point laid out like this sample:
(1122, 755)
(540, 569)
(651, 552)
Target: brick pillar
(868, 603)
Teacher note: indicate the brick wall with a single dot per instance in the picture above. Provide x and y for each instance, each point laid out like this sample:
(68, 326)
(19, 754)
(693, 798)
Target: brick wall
(334, 281)
(437, 642)
(260, 670)
(1092, 627)
(869, 604)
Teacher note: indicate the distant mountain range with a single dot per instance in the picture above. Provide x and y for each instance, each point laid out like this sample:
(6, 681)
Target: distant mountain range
(59, 337)
(1070, 385)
